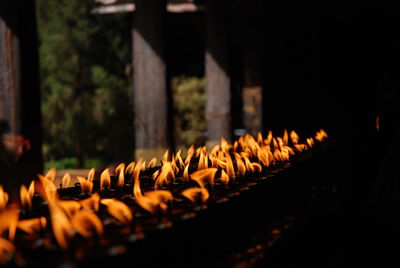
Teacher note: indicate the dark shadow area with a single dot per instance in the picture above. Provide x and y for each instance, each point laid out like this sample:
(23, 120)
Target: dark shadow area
(334, 68)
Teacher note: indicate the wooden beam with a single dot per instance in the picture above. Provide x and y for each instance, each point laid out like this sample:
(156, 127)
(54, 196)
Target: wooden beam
(149, 80)
(218, 85)
(19, 88)
(131, 7)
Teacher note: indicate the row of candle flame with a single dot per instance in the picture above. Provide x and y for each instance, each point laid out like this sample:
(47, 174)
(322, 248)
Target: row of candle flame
(247, 155)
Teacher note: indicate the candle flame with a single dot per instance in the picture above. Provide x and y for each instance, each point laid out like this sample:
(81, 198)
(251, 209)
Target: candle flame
(65, 180)
(193, 193)
(118, 210)
(120, 170)
(105, 179)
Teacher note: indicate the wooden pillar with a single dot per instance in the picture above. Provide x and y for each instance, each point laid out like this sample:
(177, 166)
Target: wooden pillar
(20, 116)
(149, 79)
(252, 94)
(248, 20)
(218, 87)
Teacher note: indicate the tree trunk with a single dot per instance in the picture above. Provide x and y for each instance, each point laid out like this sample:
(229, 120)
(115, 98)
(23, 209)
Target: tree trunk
(149, 79)
(218, 91)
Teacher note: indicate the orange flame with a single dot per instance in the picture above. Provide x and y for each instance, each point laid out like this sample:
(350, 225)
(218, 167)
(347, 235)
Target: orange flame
(136, 187)
(203, 162)
(31, 189)
(46, 189)
(3, 198)
(87, 224)
(130, 167)
(70, 207)
(269, 138)
(229, 166)
(186, 173)
(179, 159)
(256, 167)
(8, 222)
(62, 227)
(105, 179)
(321, 135)
(193, 193)
(241, 169)
(285, 137)
(300, 147)
(91, 203)
(224, 177)
(265, 155)
(31, 226)
(235, 145)
(294, 137)
(189, 155)
(121, 177)
(260, 139)
(90, 175)
(224, 145)
(164, 158)
(152, 163)
(65, 180)
(310, 142)
(51, 174)
(86, 185)
(118, 210)
(6, 248)
(203, 176)
(154, 201)
(166, 175)
(25, 198)
(214, 161)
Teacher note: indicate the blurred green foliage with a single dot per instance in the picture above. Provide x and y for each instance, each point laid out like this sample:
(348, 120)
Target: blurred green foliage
(189, 105)
(86, 88)
(85, 72)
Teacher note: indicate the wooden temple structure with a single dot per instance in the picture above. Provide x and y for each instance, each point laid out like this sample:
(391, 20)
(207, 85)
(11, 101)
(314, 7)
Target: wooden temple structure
(19, 76)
